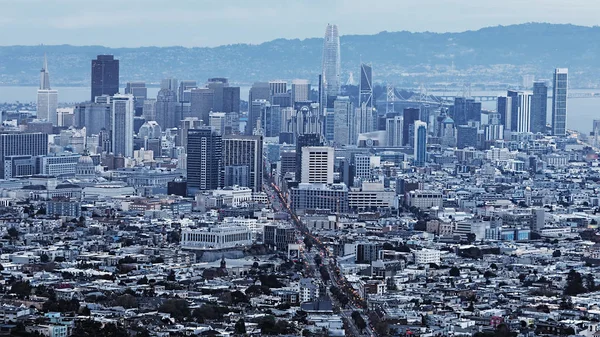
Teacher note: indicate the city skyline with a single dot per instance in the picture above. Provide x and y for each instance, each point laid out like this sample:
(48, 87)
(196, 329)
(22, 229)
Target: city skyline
(149, 23)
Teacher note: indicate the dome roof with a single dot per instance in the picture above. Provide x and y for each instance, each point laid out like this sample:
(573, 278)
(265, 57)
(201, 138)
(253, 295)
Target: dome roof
(85, 160)
(150, 130)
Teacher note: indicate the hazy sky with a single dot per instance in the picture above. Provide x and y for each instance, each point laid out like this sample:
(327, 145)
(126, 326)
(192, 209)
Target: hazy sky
(131, 23)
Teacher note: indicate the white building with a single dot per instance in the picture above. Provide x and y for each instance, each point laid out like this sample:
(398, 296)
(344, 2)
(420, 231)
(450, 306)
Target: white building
(122, 124)
(217, 121)
(427, 256)
(524, 112)
(317, 165)
(371, 195)
(425, 199)
(234, 196)
(216, 238)
(365, 164)
(308, 290)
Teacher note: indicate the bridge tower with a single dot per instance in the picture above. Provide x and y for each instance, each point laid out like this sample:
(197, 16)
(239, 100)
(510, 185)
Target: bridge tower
(390, 97)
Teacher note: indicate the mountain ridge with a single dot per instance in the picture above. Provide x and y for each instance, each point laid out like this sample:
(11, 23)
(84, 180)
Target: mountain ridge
(499, 54)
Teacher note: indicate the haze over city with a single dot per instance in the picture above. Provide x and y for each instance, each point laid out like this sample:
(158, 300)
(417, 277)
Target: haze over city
(192, 23)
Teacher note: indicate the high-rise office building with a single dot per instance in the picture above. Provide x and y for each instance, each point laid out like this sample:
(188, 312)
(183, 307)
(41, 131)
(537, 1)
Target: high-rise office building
(166, 109)
(93, 116)
(410, 116)
(420, 143)
(258, 91)
(139, 92)
(204, 159)
(105, 76)
(307, 118)
(240, 151)
(307, 139)
(596, 132)
(169, 83)
(504, 109)
(231, 99)
(393, 129)
(331, 67)
(184, 91)
(466, 136)
(186, 124)
(271, 119)
(255, 111)
(122, 125)
(149, 109)
(47, 99)
(524, 112)
(513, 116)
(300, 91)
(539, 103)
(560, 85)
(317, 165)
(466, 110)
(345, 132)
(366, 85)
(201, 103)
(277, 87)
(217, 85)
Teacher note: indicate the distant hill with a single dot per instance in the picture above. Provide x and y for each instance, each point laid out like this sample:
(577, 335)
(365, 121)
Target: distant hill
(496, 54)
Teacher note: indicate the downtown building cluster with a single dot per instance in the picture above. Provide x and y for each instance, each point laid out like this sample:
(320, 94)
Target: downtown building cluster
(313, 209)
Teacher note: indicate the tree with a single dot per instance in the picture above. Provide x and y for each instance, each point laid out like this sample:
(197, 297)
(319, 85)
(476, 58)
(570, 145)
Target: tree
(13, 232)
(590, 283)
(44, 258)
(171, 276)
(488, 274)
(566, 303)
(556, 253)
(240, 327)
(21, 289)
(574, 284)
(359, 320)
(471, 237)
(494, 266)
(178, 308)
(308, 243)
(454, 271)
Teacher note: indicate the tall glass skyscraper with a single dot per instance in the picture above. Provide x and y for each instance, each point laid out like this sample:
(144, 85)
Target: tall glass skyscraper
(539, 104)
(420, 145)
(331, 64)
(105, 76)
(560, 85)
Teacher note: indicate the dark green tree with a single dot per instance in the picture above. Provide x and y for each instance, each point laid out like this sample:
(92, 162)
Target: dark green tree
(240, 327)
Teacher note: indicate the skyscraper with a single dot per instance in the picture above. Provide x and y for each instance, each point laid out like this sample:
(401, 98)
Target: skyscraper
(122, 125)
(504, 108)
(560, 85)
(277, 87)
(345, 132)
(169, 83)
(317, 165)
(139, 92)
(166, 109)
(513, 116)
(244, 151)
(47, 99)
(201, 100)
(204, 159)
(105, 76)
(366, 85)
(410, 115)
(420, 143)
(259, 90)
(539, 103)
(300, 90)
(524, 112)
(331, 68)
(218, 86)
(231, 99)
(307, 139)
(184, 93)
(393, 129)
(255, 113)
